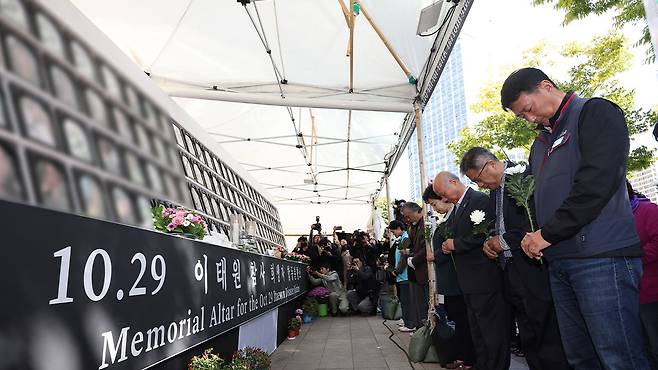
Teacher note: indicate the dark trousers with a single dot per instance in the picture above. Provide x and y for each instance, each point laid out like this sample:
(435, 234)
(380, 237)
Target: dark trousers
(421, 296)
(408, 306)
(456, 309)
(527, 288)
(649, 316)
(489, 318)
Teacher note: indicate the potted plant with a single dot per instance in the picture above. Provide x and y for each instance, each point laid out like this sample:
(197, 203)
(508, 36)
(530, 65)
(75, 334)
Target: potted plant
(293, 327)
(207, 361)
(251, 358)
(310, 308)
(179, 221)
(322, 295)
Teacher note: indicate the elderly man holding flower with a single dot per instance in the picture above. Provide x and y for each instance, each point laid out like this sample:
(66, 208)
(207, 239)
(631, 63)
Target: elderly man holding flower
(479, 278)
(526, 280)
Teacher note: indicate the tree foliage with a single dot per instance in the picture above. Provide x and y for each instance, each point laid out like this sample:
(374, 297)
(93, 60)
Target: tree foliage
(625, 12)
(594, 71)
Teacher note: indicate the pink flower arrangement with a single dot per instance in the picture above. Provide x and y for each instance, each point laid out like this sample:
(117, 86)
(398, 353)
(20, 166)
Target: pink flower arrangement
(179, 221)
(280, 251)
(319, 292)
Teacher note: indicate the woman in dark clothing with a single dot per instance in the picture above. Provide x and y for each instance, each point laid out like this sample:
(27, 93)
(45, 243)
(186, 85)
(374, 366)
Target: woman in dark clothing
(646, 222)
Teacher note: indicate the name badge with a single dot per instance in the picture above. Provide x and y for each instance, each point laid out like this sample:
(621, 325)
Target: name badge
(561, 140)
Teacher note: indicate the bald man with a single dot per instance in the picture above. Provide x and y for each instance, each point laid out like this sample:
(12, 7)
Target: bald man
(479, 278)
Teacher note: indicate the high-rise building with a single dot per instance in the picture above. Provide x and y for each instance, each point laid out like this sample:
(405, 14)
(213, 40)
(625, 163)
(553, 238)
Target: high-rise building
(443, 118)
(646, 182)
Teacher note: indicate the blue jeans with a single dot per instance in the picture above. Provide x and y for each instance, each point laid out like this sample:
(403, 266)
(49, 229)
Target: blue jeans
(597, 304)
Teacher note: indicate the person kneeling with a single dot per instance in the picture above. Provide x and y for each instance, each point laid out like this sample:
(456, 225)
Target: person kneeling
(331, 281)
(361, 278)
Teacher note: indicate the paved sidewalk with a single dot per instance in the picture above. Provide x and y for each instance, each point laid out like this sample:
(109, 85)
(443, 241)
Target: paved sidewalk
(350, 343)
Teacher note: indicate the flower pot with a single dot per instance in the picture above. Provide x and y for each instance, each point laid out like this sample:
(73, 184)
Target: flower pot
(292, 334)
(307, 319)
(322, 309)
(188, 236)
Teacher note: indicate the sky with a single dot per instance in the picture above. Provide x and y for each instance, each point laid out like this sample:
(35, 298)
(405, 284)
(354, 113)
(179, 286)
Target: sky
(495, 36)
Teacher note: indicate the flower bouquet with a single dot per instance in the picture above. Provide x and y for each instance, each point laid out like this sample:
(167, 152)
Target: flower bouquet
(280, 252)
(207, 361)
(251, 358)
(179, 221)
(298, 257)
(521, 188)
(478, 218)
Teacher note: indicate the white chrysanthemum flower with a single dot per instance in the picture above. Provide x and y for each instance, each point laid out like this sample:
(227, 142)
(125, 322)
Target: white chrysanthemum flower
(186, 223)
(519, 168)
(478, 216)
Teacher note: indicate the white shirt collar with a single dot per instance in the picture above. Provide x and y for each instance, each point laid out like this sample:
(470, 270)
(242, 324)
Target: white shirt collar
(459, 202)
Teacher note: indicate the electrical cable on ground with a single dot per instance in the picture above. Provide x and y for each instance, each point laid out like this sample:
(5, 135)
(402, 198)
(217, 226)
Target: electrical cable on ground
(390, 337)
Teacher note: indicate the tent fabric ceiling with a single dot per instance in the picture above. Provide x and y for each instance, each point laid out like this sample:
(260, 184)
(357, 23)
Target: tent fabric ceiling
(212, 45)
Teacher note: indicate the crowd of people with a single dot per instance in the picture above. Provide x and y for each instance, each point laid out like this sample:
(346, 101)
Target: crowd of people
(568, 257)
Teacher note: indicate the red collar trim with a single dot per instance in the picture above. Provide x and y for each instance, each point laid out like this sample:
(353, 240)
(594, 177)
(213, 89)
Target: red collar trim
(564, 107)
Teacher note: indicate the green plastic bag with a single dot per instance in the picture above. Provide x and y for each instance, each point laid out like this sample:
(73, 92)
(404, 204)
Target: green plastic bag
(420, 343)
(391, 309)
(431, 356)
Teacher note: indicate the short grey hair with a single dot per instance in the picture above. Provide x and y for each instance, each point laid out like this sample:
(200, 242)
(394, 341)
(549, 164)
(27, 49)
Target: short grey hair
(475, 158)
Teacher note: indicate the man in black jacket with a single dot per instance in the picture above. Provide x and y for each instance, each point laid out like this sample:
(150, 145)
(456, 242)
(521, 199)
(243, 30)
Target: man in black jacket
(526, 280)
(479, 278)
(361, 279)
(586, 226)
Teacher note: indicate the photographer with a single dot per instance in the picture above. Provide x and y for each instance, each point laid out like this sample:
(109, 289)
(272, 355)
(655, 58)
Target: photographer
(302, 246)
(329, 279)
(314, 240)
(364, 292)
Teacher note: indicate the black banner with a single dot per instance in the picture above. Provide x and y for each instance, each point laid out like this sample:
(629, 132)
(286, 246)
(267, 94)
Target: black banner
(79, 293)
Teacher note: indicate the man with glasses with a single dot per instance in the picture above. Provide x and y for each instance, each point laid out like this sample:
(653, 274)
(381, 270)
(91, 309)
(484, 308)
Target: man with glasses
(526, 281)
(587, 232)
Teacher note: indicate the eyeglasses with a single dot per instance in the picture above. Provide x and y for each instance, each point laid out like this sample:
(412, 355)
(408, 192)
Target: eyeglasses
(477, 179)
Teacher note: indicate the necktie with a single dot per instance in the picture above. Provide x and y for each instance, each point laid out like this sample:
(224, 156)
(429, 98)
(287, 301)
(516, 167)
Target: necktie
(500, 225)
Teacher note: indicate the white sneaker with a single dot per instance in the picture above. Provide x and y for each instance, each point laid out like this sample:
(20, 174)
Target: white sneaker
(400, 322)
(405, 329)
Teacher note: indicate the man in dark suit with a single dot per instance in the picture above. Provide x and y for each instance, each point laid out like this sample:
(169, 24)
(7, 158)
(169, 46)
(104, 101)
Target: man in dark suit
(526, 280)
(479, 278)
(412, 214)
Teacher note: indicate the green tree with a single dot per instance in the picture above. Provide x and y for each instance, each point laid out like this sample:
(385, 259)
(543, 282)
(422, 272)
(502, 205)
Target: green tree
(594, 71)
(625, 12)
(380, 203)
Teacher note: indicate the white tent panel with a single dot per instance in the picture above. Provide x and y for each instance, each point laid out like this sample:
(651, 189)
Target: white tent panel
(210, 49)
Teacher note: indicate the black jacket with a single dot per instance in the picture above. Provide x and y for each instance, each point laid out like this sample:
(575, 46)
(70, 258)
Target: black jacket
(475, 272)
(446, 276)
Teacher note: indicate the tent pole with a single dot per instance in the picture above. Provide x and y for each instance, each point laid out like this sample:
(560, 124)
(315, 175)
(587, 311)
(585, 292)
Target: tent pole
(388, 45)
(388, 200)
(428, 243)
(350, 47)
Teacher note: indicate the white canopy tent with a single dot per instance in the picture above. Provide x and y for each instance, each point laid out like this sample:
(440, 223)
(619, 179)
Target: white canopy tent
(318, 129)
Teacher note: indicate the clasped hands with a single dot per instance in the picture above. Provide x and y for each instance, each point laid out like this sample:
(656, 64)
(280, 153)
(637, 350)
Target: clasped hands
(533, 244)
